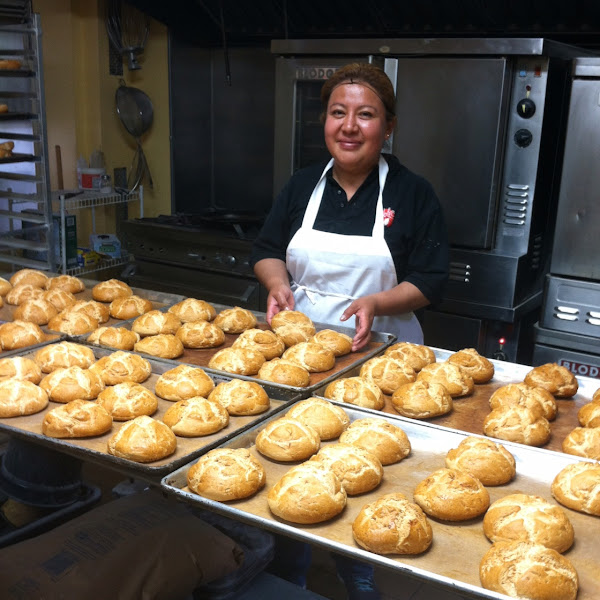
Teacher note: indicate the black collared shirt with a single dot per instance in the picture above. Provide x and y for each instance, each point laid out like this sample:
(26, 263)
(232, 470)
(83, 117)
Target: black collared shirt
(417, 237)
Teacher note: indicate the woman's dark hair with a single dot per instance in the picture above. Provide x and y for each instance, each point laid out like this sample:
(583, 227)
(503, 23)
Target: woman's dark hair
(364, 73)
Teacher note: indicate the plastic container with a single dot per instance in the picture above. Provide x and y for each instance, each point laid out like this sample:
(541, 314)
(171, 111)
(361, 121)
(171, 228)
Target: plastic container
(90, 179)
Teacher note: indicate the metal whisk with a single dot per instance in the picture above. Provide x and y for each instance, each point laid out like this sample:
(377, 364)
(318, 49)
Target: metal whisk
(127, 30)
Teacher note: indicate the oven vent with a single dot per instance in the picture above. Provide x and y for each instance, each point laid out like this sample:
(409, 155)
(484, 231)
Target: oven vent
(566, 313)
(516, 202)
(460, 272)
(536, 252)
(593, 318)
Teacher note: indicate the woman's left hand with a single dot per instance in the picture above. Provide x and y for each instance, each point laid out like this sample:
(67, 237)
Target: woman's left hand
(364, 311)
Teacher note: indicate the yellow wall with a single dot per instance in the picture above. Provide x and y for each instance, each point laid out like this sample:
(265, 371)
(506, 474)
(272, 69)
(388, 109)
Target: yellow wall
(80, 102)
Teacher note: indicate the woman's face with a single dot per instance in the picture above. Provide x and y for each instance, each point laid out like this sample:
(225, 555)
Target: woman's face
(355, 127)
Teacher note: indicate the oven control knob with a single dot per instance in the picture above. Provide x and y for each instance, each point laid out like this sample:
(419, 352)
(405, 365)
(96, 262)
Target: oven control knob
(230, 260)
(526, 108)
(523, 137)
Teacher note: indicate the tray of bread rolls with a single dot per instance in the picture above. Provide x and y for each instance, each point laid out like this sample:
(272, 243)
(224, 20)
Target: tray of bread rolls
(120, 409)
(468, 513)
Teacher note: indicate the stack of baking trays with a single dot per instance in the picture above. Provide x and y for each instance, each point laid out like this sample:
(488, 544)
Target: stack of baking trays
(452, 557)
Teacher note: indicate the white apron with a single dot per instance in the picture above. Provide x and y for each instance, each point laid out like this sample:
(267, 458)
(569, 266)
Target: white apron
(330, 270)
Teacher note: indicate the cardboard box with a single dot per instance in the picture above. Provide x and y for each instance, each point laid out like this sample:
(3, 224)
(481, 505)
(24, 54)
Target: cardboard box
(106, 243)
(34, 234)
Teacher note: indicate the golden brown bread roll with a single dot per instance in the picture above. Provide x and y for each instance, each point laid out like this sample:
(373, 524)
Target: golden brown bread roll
(524, 395)
(290, 317)
(286, 439)
(225, 474)
(94, 309)
(422, 400)
(154, 322)
(292, 327)
(240, 397)
(120, 338)
(386, 441)
(10, 64)
(5, 286)
(20, 334)
(284, 372)
(183, 381)
(457, 381)
(387, 373)
(31, 277)
(19, 398)
(577, 486)
(129, 307)
(20, 367)
(326, 418)
(339, 343)
(307, 493)
(596, 396)
(196, 416)
(67, 283)
(452, 495)
(36, 310)
(122, 366)
(200, 334)
(357, 391)
(3, 108)
(235, 320)
(267, 342)
(163, 345)
(191, 310)
(415, 355)
(240, 361)
(127, 400)
(60, 299)
(490, 462)
(583, 441)
(72, 322)
(358, 469)
(526, 570)
(143, 440)
(76, 419)
(72, 383)
(23, 292)
(518, 424)
(313, 357)
(392, 525)
(555, 378)
(528, 518)
(478, 367)
(62, 355)
(111, 289)
(589, 415)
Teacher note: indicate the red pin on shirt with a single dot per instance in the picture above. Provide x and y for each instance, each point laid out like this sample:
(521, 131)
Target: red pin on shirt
(388, 217)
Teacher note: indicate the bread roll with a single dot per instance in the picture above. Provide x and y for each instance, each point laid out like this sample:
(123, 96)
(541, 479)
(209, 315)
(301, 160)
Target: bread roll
(122, 366)
(129, 307)
(31, 277)
(163, 345)
(120, 338)
(339, 343)
(518, 424)
(143, 440)
(23, 292)
(240, 397)
(526, 570)
(67, 283)
(154, 322)
(20, 334)
(72, 383)
(596, 396)
(235, 320)
(183, 381)
(583, 441)
(478, 367)
(60, 299)
(422, 400)
(240, 361)
(387, 373)
(383, 439)
(327, 419)
(415, 355)
(287, 440)
(528, 518)
(290, 317)
(127, 400)
(358, 469)
(62, 355)
(284, 372)
(226, 474)
(307, 493)
(73, 322)
(313, 357)
(10, 64)
(196, 416)
(357, 391)
(558, 380)
(200, 334)
(292, 327)
(392, 525)
(111, 289)
(5, 286)
(577, 486)
(3, 108)
(20, 397)
(21, 368)
(490, 462)
(76, 419)
(524, 395)
(94, 309)
(36, 310)
(452, 495)
(267, 342)
(191, 310)
(457, 381)
(589, 415)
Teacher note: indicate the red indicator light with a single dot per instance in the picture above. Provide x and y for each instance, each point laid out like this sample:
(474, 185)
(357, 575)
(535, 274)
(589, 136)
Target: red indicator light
(502, 341)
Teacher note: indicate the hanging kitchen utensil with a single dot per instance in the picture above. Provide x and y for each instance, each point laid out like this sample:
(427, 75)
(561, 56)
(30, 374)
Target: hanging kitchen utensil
(136, 112)
(127, 30)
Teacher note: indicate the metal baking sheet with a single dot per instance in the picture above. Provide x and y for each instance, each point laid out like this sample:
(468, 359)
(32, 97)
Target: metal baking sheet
(468, 413)
(453, 559)
(95, 448)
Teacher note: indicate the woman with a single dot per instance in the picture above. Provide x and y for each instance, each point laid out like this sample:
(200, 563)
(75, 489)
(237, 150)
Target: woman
(361, 236)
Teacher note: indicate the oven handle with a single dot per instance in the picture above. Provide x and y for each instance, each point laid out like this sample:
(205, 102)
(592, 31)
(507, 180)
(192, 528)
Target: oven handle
(245, 297)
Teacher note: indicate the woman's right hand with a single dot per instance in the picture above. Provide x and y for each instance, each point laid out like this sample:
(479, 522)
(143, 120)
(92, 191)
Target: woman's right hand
(280, 298)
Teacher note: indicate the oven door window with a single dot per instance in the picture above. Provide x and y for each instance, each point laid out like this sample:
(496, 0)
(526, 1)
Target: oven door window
(309, 141)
